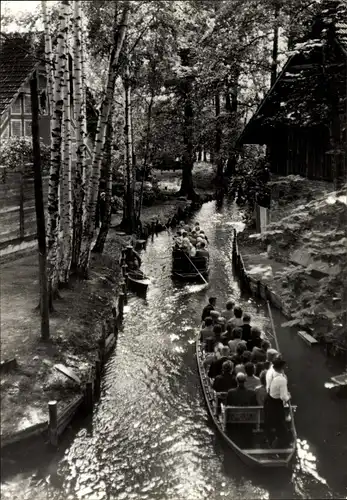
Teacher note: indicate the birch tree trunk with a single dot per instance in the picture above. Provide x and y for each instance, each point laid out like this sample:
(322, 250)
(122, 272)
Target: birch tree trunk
(145, 160)
(66, 185)
(93, 184)
(48, 55)
(56, 158)
(128, 222)
(81, 134)
(106, 220)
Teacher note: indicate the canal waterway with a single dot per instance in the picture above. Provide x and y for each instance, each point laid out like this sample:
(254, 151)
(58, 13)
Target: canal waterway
(151, 437)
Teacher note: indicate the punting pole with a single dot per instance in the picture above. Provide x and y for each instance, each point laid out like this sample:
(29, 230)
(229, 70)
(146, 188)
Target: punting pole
(196, 268)
(278, 349)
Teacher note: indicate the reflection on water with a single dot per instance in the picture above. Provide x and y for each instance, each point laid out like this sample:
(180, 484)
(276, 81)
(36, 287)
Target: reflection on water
(150, 436)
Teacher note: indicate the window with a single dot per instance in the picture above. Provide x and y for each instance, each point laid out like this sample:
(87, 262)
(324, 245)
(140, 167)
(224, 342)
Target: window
(43, 102)
(16, 128)
(16, 107)
(27, 104)
(27, 128)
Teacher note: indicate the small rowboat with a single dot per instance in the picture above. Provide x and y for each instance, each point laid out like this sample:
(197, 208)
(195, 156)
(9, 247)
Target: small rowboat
(138, 282)
(189, 268)
(242, 426)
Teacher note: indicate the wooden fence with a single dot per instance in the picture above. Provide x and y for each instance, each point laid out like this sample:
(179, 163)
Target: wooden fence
(17, 207)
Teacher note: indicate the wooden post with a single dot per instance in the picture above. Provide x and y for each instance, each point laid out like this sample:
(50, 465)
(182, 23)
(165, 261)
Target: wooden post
(101, 343)
(88, 397)
(21, 206)
(53, 422)
(121, 305)
(124, 269)
(124, 290)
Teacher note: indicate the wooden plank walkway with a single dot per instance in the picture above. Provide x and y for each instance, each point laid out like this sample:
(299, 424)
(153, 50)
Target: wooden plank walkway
(307, 338)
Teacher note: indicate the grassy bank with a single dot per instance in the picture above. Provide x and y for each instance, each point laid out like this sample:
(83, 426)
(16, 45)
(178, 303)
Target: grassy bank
(303, 255)
(75, 324)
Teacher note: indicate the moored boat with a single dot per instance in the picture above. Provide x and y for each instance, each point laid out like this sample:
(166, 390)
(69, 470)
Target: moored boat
(189, 268)
(138, 282)
(242, 426)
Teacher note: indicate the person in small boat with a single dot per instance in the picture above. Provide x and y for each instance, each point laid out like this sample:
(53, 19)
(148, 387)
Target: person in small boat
(255, 340)
(222, 323)
(211, 306)
(237, 335)
(203, 235)
(207, 331)
(226, 380)
(216, 338)
(215, 315)
(241, 396)
(260, 390)
(251, 381)
(186, 245)
(228, 312)
(227, 336)
(246, 330)
(192, 237)
(274, 414)
(132, 259)
(216, 366)
(212, 356)
(245, 358)
(187, 228)
(259, 353)
(201, 251)
(259, 367)
(236, 321)
(240, 349)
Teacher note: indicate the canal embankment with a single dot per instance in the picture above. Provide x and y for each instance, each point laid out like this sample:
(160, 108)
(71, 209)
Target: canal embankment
(302, 257)
(84, 329)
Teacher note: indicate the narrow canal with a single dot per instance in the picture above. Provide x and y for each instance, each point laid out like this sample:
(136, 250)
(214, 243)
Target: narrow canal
(150, 436)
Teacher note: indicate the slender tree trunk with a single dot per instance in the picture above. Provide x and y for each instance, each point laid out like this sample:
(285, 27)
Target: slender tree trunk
(187, 185)
(205, 155)
(81, 135)
(145, 160)
(93, 184)
(218, 142)
(40, 211)
(231, 107)
(56, 158)
(275, 46)
(106, 221)
(128, 222)
(66, 186)
(48, 55)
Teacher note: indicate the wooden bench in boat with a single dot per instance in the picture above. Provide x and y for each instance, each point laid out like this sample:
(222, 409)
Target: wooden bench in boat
(307, 338)
(252, 415)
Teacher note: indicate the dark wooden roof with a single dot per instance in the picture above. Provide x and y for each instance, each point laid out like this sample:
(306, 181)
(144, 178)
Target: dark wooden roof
(19, 55)
(288, 101)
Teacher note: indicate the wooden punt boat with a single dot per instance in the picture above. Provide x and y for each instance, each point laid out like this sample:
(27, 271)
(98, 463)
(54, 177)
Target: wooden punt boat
(188, 268)
(138, 281)
(241, 426)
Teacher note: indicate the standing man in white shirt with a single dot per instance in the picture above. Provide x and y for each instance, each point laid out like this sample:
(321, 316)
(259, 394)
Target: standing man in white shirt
(277, 394)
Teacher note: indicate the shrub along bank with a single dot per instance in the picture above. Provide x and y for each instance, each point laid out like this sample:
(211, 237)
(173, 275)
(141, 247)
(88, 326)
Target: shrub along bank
(306, 247)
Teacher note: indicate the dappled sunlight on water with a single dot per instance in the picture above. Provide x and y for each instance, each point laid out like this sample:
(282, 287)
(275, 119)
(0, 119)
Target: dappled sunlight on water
(150, 436)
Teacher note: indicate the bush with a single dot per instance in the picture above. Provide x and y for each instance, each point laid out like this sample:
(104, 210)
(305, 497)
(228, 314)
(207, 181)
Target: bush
(16, 152)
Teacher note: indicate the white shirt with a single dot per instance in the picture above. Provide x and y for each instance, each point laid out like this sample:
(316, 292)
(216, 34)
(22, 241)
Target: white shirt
(279, 387)
(228, 314)
(269, 376)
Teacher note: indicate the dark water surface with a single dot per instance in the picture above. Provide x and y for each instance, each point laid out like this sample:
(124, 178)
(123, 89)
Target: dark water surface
(150, 436)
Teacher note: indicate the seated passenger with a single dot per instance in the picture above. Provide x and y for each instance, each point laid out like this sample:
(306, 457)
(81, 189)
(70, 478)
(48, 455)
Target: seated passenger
(260, 391)
(186, 245)
(203, 235)
(246, 330)
(227, 335)
(255, 340)
(259, 353)
(132, 258)
(211, 306)
(236, 321)
(237, 334)
(226, 380)
(240, 349)
(214, 339)
(228, 312)
(179, 239)
(259, 367)
(222, 323)
(241, 396)
(251, 381)
(202, 252)
(192, 237)
(207, 331)
(216, 366)
(212, 356)
(215, 315)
